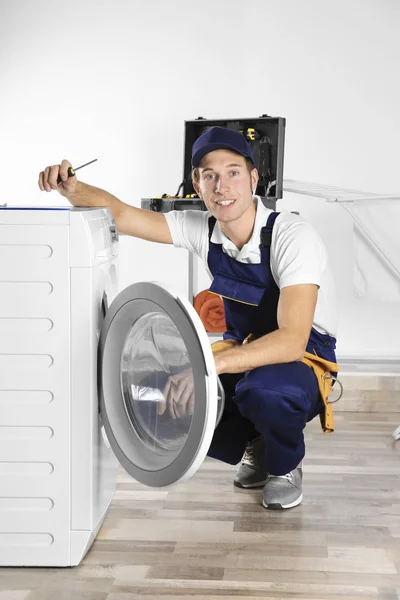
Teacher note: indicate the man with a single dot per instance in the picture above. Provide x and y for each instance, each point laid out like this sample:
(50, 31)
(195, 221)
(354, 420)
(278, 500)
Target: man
(273, 274)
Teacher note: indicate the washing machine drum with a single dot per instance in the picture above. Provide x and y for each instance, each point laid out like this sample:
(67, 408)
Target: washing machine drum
(160, 398)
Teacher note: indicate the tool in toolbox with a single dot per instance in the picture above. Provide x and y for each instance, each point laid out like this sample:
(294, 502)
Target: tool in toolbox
(71, 171)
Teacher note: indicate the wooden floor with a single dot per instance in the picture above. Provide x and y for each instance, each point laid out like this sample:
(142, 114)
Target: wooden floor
(206, 539)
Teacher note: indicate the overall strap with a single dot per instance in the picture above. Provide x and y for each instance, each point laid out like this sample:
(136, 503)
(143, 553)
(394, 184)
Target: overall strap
(266, 231)
(211, 224)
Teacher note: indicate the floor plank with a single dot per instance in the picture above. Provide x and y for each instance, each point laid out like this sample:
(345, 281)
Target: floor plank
(205, 539)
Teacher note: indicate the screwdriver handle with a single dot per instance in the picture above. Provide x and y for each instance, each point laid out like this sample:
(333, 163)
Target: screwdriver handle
(71, 173)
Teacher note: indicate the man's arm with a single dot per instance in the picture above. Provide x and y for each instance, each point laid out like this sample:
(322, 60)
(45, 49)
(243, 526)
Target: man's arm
(137, 222)
(296, 309)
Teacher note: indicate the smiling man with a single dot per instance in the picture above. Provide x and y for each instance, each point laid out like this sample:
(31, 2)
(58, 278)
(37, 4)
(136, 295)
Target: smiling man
(273, 273)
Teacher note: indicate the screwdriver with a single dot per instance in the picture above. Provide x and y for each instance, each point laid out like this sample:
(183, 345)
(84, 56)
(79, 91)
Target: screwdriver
(71, 171)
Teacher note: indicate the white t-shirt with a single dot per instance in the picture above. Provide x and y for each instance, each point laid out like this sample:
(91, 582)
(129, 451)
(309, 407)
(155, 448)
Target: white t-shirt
(298, 254)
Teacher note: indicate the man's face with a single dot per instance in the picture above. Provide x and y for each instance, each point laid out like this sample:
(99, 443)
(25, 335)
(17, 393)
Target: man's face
(226, 185)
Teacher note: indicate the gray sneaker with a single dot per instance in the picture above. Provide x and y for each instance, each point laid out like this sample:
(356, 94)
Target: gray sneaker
(283, 491)
(250, 473)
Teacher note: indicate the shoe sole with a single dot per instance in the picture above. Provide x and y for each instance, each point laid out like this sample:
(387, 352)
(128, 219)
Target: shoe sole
(276, 506)
(250, 485)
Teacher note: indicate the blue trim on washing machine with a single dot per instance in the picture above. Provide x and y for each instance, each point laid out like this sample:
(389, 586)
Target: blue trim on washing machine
(35, 208)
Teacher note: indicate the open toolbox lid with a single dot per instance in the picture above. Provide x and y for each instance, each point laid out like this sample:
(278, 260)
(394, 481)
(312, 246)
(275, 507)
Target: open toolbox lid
(266, 136)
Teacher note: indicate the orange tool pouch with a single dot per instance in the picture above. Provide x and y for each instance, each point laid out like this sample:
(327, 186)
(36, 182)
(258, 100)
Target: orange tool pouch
(322, 369)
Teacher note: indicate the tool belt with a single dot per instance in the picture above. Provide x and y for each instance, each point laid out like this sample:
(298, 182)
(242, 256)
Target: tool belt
(323, 371)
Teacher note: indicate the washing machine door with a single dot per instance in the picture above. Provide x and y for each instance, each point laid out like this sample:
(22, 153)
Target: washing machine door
(159, 395)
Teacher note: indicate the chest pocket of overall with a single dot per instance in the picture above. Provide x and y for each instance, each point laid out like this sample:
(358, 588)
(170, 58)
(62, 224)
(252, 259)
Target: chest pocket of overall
(231, 277)
(230, 288)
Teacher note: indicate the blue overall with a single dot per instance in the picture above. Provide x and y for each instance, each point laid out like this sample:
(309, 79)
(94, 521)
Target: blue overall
(273, 400)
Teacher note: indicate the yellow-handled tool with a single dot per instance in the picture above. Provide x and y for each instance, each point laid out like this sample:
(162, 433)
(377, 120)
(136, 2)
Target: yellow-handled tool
(71, 171)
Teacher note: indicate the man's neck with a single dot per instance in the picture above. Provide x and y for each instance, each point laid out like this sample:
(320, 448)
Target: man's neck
(241, 230)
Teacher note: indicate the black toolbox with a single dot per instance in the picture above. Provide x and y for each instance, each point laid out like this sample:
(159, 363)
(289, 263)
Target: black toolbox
(266, 136)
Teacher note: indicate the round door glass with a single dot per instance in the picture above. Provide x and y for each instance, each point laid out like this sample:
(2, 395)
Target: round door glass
(157, 383)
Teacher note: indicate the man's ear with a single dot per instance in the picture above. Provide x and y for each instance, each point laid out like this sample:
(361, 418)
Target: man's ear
(254, 179)
(196, 189)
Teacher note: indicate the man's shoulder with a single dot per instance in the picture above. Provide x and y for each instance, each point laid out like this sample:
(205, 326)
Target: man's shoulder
(188, 216)
(197, 220)
(200, 216)
(291, 222)
(288, 217)
(285, 219)
(189, 228)
(293, 229)
(283, 216)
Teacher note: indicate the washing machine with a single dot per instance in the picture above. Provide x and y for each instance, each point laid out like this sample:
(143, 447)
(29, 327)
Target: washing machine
(82, 373)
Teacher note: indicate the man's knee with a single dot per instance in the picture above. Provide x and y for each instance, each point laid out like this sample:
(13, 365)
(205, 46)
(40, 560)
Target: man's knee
(274, 392)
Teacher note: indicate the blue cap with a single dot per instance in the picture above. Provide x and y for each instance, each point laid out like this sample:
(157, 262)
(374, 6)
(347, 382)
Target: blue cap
(216, 138)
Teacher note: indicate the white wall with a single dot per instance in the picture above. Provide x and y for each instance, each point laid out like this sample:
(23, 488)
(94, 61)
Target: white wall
(115, 80)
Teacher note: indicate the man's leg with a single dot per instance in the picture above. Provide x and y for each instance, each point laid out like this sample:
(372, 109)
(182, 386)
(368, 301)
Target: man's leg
(279, 400)
(234, 430)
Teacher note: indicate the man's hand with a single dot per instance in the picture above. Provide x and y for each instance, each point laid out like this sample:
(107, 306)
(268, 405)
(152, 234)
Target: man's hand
(218, 348)
(48, 179)
(178, 395)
